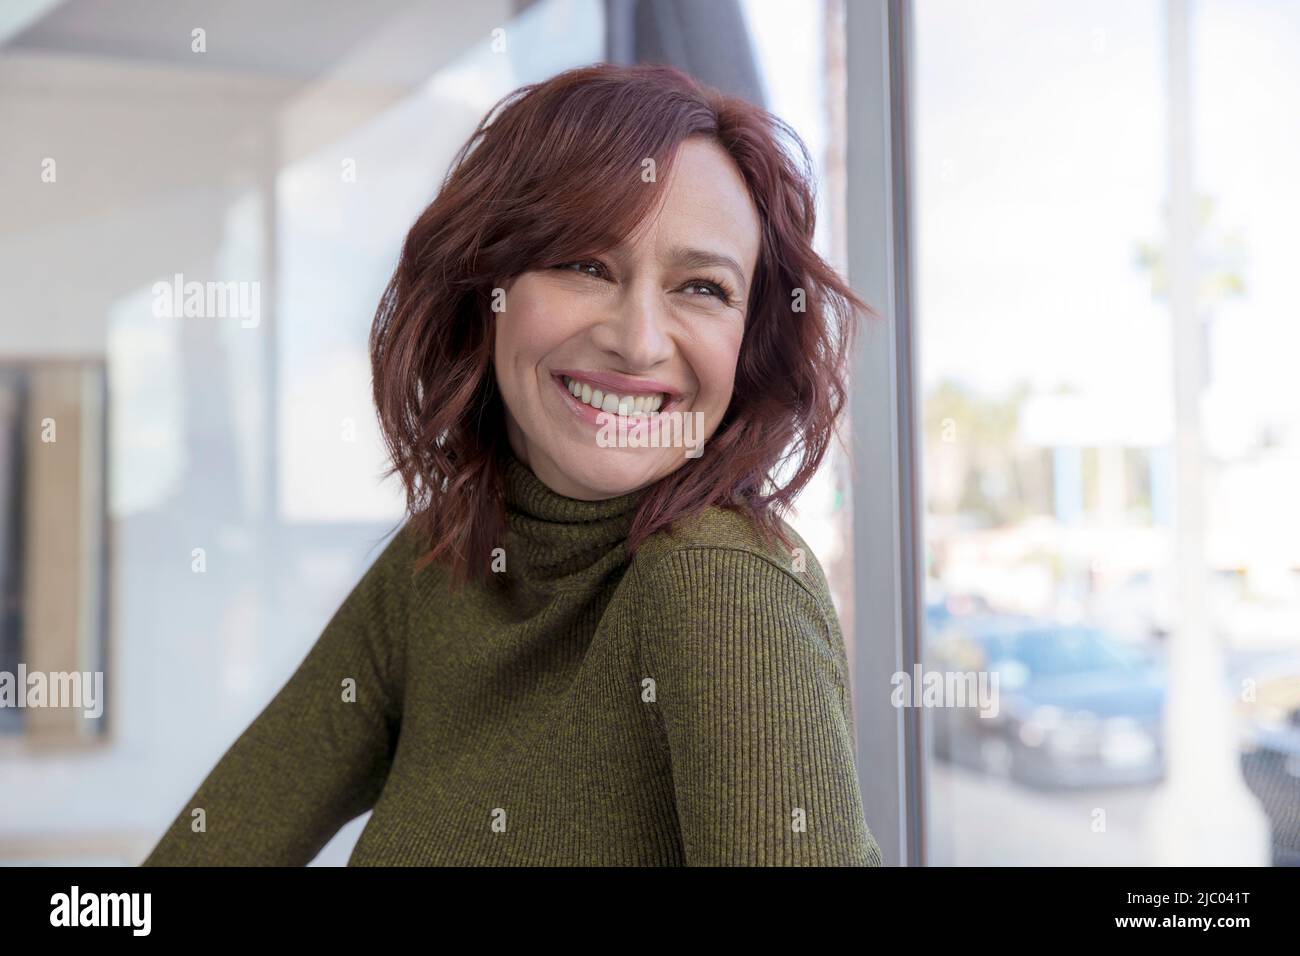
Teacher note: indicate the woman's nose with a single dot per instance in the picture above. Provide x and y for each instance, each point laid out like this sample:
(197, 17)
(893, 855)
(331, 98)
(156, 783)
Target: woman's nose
(637, 329)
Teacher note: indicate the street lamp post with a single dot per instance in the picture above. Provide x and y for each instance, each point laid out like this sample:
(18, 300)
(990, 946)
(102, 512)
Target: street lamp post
(1203, 813)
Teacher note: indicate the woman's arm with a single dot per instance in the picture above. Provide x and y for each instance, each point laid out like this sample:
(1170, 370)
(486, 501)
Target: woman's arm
(317, 756)
(751, 685)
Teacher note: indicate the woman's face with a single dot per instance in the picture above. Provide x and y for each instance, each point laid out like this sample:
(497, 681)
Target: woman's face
(662, 313)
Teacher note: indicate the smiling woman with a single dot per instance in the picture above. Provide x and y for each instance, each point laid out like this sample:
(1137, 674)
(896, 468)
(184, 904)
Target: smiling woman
(577, 652)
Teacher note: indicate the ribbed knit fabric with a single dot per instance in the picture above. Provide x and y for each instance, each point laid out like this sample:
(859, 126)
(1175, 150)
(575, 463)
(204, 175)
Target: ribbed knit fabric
(687, 707)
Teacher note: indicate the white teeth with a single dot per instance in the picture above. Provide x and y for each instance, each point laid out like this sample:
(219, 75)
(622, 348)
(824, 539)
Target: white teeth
(628, 405)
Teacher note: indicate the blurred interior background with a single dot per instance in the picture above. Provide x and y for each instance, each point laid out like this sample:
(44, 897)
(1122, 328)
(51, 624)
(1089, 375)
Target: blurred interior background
(184, 500)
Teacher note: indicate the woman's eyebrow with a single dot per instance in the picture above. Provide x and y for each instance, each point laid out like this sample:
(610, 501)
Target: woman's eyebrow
(692, 258)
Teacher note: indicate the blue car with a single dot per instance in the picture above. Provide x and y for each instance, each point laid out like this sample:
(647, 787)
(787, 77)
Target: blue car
(1076, 705)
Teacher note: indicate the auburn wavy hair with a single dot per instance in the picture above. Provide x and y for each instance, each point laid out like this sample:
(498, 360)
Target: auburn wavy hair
(553, 173)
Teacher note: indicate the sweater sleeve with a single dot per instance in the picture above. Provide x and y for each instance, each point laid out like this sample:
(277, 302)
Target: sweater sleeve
(751, 686)
(318, 754)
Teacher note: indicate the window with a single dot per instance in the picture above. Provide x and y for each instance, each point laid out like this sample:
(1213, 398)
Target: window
(1049, 333)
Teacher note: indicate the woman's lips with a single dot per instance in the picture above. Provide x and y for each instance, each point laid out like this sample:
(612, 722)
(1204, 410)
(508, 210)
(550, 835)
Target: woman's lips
(593, 416)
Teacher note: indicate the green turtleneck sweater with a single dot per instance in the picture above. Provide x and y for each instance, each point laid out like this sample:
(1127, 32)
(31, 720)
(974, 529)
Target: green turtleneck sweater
(688, 706)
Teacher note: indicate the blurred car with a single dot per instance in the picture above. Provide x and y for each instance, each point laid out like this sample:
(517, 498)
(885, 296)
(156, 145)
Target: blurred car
(1270, 759)
(1078, 706)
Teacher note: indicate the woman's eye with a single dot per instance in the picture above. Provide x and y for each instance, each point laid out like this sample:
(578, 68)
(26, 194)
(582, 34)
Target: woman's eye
(592, 269)
(700, 287)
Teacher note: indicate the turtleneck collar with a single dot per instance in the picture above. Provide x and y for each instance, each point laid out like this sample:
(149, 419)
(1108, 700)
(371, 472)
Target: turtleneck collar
(553, 538)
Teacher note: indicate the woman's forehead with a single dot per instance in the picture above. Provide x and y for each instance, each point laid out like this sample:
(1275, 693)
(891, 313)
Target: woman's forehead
(706, 212)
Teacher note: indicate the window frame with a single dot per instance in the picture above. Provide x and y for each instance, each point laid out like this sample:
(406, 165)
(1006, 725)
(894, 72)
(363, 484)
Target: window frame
(884, 405)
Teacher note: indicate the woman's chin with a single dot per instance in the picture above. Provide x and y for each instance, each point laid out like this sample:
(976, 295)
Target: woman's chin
(610, 472)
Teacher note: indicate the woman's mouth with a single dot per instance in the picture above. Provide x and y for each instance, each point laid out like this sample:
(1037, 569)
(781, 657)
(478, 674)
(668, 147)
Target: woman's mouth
(590, 402)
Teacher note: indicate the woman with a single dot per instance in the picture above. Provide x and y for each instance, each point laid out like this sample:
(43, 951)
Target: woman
(594, 642)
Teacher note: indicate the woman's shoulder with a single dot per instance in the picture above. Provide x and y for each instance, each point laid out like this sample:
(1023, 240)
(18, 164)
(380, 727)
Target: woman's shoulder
(724, 548)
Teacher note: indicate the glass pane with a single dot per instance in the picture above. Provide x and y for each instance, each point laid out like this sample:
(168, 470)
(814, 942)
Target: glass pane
(1047, 353)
